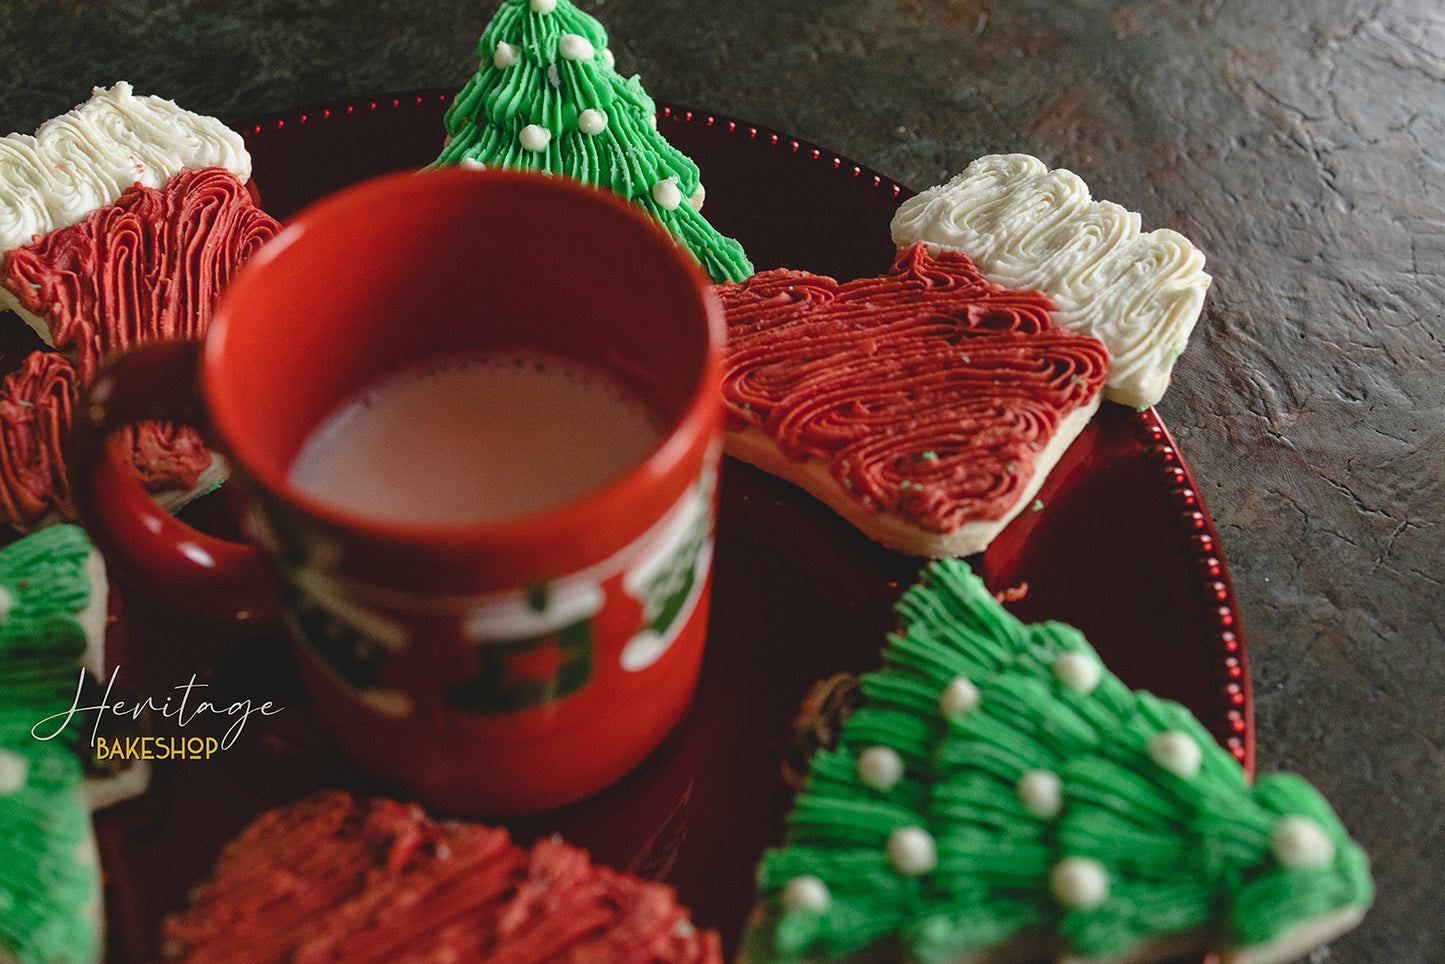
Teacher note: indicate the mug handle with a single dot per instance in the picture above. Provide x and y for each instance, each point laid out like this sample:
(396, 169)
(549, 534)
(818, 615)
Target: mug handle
(147, 548)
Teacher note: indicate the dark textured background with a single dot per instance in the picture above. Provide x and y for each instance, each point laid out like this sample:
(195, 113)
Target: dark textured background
(1300, 144)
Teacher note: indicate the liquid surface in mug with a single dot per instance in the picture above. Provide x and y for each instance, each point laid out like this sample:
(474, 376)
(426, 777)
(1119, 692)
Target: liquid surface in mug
(475, 439)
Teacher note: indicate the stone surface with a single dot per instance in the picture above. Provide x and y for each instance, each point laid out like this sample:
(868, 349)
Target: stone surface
(1300, 144)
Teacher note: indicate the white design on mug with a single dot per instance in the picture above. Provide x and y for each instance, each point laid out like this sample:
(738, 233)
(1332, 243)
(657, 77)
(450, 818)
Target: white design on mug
(348, 641)
(669, 579)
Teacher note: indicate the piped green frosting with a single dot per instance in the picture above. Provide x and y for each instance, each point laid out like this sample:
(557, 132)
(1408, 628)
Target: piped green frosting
(1156, 834)
(544, 66)
(49, 879)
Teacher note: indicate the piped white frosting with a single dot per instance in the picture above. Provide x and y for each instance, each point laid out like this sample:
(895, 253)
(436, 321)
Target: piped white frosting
(912, 851)
(592, 121)
(1176, 752)
(1080, 883)
(506, 55)
(959, 696)
(666, 194)
(535, 137)
(1042, 793)
(1299, 842)
(880, 767)
(1078, 672)
(83, 159)
(807, 893)
(574, 46)
(1027, 226)
(14, 771)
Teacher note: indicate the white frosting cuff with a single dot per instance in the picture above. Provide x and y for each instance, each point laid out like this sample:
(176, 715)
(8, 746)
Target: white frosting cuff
(83, 159)
(1026, 226)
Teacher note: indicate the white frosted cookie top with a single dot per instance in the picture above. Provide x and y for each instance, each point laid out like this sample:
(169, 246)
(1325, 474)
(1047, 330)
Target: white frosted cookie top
(1026, 226)
(84, 158)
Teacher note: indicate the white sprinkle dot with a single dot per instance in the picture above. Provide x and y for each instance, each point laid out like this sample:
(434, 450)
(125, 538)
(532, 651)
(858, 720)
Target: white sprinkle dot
(607, 56)
(544, 6)
(92, 911)
(505, 56)
(698, 197)
(666, 194)
(1042, 793)
(472, 164)
(14, 771)
(959, 696)
(592, 121)
(807, 893)
(880, 767)
(1077, 671)
(912, 851)
(1079, 882)
(535, 137)
(7, 602)
(573, 46)
(1176, 752)
(86, 853)
(1300, 843)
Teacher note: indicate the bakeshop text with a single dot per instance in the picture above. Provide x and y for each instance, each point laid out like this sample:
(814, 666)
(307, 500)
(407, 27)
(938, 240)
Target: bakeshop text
(156, 748)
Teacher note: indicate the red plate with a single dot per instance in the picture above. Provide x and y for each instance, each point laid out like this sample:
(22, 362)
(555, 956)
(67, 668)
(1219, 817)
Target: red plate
(1119, 544)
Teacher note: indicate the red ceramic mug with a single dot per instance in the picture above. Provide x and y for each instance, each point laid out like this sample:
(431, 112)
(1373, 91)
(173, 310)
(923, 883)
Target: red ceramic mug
(491, 667)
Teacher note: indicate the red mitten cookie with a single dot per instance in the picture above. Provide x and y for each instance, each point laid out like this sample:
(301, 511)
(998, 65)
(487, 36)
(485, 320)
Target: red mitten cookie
(926, 405)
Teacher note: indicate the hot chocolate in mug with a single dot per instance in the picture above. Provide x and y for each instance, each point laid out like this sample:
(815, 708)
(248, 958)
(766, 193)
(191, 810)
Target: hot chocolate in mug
(472, 421)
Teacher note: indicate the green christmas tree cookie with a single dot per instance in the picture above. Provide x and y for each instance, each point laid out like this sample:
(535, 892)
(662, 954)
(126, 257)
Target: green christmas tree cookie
(547, 97)
(1000, 794)
(50, 898)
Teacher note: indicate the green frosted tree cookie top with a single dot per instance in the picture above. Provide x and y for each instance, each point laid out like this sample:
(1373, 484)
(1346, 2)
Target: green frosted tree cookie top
(999, 786)
(547, 97)
(50, 901)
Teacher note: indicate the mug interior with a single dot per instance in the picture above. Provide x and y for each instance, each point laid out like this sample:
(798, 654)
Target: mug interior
(414, 266)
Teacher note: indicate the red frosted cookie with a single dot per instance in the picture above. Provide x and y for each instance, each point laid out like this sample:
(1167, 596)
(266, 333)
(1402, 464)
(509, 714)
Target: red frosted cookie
(145, 268)
(331, 878)
(925, 405)
(120, 221)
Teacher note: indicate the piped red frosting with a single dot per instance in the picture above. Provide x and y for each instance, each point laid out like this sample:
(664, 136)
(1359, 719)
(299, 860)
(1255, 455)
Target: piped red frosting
(927, 390)
(147, 267)
(37, 402)
(335, 879)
